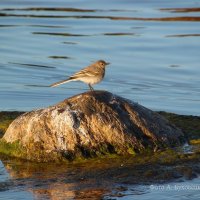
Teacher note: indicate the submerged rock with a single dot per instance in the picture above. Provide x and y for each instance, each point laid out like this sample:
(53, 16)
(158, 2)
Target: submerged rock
(90, 124)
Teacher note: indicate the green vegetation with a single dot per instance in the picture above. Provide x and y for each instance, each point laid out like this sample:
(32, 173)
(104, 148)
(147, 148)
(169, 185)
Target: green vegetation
(34, 153)
(190, 125)
(195, 142)
(11, 149)
(5, 119)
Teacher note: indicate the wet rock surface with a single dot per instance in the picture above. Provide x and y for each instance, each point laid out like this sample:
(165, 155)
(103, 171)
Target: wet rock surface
(89, 125)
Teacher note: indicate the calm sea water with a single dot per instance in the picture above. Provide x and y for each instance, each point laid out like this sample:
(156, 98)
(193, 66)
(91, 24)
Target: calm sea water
(153, 47)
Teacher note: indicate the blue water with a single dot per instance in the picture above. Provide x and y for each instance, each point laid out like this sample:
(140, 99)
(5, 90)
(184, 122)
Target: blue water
(168, 191)
(153, 62)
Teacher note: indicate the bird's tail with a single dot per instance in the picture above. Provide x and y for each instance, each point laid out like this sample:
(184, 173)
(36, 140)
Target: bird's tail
(61, 82)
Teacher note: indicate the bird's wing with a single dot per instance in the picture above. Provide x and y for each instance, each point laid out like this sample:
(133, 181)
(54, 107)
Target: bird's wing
(88, 71)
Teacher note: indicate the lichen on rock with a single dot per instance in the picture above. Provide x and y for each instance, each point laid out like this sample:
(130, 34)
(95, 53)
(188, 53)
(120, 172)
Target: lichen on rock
(91, 124)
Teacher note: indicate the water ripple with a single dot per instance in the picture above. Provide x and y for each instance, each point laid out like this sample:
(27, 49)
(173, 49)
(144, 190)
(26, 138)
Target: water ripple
(179, 18)
(32, 65)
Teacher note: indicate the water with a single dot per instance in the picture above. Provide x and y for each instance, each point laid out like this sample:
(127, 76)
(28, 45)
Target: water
(154, 51)
(24, 180)
(170, 191)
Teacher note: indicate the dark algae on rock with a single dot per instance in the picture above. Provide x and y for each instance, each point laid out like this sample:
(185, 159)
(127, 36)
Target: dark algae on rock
(190, 125)
(88, 125)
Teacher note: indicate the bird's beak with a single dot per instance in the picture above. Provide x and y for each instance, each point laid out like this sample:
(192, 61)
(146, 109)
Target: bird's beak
(107, 63)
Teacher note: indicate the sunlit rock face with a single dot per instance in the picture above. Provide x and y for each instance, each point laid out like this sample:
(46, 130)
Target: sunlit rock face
(91, 124)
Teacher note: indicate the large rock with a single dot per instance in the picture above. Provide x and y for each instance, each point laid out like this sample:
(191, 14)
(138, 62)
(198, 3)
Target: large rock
(91, 124)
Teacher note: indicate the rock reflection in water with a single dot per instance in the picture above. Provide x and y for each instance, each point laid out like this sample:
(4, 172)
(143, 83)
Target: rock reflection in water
(57, 181)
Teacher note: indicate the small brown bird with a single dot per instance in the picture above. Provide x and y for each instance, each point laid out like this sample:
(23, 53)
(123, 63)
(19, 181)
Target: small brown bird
(90, 75)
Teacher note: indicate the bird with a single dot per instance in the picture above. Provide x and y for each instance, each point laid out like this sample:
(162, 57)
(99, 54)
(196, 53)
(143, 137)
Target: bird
(90, 75)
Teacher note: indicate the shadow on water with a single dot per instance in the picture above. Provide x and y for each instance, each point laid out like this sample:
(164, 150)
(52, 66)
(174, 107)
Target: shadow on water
(184, 35)
(175, 10)
(49, 9)
(61, 34)
(79, 35)
(65, 10)
(59, 57)
(181, 10)
(32, 65)
(119, 34)
(167, 19)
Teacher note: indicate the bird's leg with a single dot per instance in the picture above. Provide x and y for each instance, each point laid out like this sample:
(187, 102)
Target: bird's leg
(91, 88)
